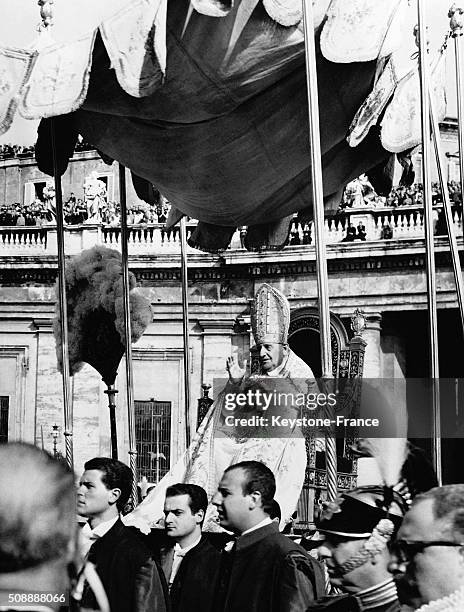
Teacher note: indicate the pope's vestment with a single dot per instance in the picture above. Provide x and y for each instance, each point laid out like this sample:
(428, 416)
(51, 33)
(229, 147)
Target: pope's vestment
(210, 454)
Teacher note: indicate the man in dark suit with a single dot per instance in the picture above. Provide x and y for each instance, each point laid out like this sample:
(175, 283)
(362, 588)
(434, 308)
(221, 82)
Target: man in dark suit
(264, 571)
(124, 564)
(190, 562)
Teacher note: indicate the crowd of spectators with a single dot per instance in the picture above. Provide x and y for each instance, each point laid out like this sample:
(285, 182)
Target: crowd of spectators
(9, 151)
(360, 192)
(41, 212)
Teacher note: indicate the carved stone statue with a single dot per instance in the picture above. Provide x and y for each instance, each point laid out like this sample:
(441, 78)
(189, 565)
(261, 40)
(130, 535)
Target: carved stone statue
(48, 195)
(95, 197)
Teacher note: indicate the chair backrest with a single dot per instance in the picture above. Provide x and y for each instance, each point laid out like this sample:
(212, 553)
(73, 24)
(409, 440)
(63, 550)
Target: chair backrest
(347, 363)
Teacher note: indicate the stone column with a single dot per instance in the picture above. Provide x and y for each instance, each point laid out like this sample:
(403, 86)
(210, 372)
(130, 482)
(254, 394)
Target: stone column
(373, 354)
(49, 390)
(217, 346)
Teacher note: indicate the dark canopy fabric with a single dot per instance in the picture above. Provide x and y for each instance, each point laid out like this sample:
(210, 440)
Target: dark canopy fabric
(225, 137)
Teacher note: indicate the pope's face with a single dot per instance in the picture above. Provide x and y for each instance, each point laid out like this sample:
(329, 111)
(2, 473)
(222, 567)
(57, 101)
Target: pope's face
(271, 355)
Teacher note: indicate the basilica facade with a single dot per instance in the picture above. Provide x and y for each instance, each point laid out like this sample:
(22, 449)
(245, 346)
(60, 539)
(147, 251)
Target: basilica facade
(384, 278)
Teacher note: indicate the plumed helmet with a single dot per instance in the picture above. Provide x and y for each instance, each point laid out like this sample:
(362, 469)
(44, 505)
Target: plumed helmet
(358, 512)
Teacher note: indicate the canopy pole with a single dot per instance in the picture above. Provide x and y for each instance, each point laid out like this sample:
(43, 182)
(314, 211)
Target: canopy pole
(429, 238)
(111, 391)
(185, 326)
(128, 335)
(456, 15)
(447, 209)
(318, 207)
(67, 405)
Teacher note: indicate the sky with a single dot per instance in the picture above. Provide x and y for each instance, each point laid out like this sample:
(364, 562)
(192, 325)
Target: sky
(18, 28)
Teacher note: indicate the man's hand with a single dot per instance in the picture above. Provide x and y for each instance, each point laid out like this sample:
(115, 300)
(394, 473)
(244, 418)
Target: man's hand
(236, 373)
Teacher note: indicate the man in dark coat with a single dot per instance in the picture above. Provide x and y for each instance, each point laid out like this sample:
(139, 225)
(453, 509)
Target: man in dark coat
(357, 530)
(264, 571)
(189, 561)
(124, 564)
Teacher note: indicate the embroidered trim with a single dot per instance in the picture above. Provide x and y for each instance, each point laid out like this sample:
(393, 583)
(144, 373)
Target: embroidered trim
(401, 125)
(362, 30)
(15, 68)
(285, 12)
(135, 39)
(373, 106)
(213, 8)
(59, 82)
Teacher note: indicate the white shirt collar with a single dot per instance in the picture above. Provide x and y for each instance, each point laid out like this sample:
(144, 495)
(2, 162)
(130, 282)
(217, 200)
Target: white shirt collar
(100, 530)
(263, 523)
(178, 550)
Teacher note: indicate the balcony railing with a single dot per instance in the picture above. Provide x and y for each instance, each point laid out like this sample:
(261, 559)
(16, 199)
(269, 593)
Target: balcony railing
(16, 239)
(404, 222)
(153, 238)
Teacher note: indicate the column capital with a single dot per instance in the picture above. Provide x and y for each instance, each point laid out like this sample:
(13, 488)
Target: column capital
(217, 327)
(42, 325)
(373, 320)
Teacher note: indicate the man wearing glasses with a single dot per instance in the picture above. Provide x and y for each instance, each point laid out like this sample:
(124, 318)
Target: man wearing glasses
(428, 555)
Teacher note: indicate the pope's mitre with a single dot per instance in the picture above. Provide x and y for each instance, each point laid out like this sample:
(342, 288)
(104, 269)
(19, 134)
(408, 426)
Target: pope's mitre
(270, 316)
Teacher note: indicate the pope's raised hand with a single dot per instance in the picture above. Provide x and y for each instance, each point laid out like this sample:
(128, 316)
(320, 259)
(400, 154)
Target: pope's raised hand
(236, 373)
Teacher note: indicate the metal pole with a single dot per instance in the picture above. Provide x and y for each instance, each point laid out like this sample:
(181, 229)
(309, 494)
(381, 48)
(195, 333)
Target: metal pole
(318, 206)
(429, 239)
(447, 209)
(185, 327)
(128, 335)
(111, 393)
(157, 452)
(457, 29)
(67, 405)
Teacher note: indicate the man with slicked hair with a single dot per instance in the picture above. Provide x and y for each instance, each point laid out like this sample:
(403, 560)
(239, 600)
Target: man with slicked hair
(126, 568)
(190, 561)
(37, 528)
(264, 571)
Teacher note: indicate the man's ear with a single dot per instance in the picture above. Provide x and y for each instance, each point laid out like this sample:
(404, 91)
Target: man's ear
(285, 348)
(255, 500)
(200, 516)
(115, 494)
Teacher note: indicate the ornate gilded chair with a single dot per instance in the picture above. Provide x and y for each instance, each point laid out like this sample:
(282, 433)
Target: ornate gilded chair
(347, 362)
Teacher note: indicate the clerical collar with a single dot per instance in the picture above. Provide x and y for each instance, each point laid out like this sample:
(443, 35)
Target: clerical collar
(263, 523)
(378, 595)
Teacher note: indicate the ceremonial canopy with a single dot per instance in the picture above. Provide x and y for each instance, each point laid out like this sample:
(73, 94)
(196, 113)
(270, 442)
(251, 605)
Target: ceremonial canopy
(207, 100)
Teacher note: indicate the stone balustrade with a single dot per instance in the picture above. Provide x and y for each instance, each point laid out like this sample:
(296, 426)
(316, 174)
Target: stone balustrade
(405, 222)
